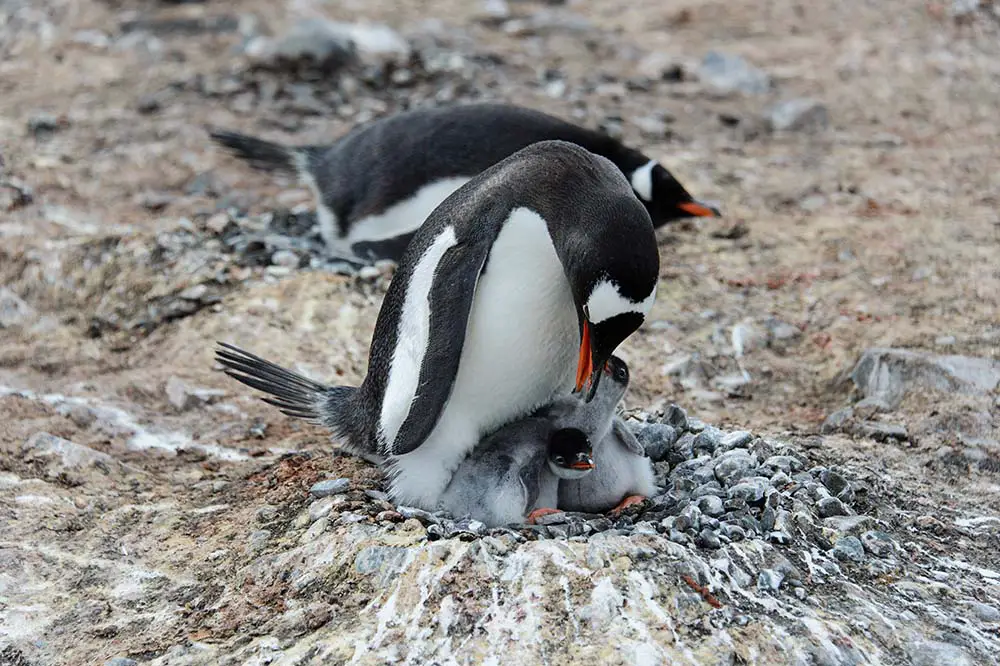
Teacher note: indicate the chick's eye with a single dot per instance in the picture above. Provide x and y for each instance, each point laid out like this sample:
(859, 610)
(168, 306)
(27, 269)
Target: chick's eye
(560, 460)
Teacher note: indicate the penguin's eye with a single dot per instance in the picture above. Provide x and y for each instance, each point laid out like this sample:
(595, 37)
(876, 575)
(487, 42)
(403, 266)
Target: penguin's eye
(621, 374)
(559, 460)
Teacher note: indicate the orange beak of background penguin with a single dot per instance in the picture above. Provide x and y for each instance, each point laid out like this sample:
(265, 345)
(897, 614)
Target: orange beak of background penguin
(585, 366)
(698, 209)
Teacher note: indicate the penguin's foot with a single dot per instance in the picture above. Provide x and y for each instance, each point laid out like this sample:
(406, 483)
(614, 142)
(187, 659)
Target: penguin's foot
(538, 513)
(631, 500)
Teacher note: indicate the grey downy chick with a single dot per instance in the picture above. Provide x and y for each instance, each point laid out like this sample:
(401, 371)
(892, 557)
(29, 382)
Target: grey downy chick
(513, 475)
(622, 474)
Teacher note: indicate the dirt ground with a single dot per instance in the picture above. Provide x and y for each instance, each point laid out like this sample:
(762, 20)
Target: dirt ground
(880, 230)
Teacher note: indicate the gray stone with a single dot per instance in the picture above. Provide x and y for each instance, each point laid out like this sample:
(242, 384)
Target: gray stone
(657, 440)
(330, 487)
(787, 464)
(320, 508)
(286, 258)
(727, 73)
(710, 506)
(709, 539)
(769, 579)
(881, 432)
(889, 374)
(798, 115)
(923, 652)
(733, 532)
(552, 518)
(413, 512)
(14, 311)
(984, 612)
(831, 506)
(779, 537)
(705, 442)
(732, 464)
(737, 439)
(121, 661)
(833, 481)
(750, 490)
(179, 395)
(375, 558)
(853, 525)
(679, 537)
(709, 488)
(878, 543)
(675, 416)
(836, 421)
(63, 456)
(43, 123)
(849, 548)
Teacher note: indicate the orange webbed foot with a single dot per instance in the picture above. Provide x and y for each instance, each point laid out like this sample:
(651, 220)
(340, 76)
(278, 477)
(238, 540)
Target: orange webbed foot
(538, 513)
(631, 500)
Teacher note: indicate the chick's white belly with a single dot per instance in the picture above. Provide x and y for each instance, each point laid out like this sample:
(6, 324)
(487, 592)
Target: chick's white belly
(520, 350)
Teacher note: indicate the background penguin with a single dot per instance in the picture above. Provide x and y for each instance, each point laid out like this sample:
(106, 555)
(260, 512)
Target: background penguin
(375, 185)
(513, 475)
(516, 290)
(622, 475)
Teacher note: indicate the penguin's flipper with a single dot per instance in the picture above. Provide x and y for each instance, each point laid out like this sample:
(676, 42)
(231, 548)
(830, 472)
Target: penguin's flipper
(450, 300)
(294, 394)
(625, 436)
(260, 154)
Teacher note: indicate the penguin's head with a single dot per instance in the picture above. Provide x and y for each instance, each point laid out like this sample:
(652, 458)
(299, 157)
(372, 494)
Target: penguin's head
(570, 455)
(665, 198)
(608, 316)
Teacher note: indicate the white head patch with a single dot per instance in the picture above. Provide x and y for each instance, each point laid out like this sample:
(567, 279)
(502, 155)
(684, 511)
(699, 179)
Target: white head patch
(606, 301)
(642, 180)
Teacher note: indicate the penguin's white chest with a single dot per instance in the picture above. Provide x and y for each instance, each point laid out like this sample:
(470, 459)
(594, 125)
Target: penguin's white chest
(520, 350)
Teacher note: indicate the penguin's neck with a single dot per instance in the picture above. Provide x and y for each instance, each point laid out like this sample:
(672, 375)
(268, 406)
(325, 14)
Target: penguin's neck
(520, 351)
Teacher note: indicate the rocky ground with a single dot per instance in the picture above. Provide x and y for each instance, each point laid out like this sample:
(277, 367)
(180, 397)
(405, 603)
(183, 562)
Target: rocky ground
(829, 497)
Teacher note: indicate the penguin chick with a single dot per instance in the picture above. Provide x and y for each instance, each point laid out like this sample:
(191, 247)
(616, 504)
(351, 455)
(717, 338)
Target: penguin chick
(622, 475)
(514, 473)
(377, 184)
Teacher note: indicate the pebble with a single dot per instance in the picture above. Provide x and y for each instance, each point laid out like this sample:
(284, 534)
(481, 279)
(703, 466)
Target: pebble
(552, 518)
(424, 517)
(833, 481)
(711, 505)
(709, 539)
(878, 543)
(796, 115)
(705, 443)
(14, 311)
(924, 652)
(769, 579)
(837, 421)
(121, 661)
(734, 440)
(732, 464)
(985, 612)
(831, 506)
(330, 487)
(43, 123)
(286, 258)
(657, 439)
(679, 537)
(320, 508)
(750, 490)
(728, 73)
(849, 548)
(676, 417)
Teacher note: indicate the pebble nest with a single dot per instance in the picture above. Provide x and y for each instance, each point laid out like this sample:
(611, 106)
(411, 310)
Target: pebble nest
(715, 487)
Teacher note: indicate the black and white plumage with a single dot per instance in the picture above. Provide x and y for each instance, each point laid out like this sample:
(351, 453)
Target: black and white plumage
(515, 291)
(378, 183)
(516, 471)
(621, 468)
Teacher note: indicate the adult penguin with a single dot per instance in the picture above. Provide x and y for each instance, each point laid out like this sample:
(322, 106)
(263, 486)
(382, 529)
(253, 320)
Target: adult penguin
(516, 290)
(378, 183)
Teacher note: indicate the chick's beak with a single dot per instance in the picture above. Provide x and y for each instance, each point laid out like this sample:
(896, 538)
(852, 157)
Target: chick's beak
(699, 209)
(583, 462)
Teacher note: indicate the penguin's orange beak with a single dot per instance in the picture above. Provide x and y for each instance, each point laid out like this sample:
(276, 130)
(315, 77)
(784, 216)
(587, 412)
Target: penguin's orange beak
(585, 366)
(697, 209)
(582, 465)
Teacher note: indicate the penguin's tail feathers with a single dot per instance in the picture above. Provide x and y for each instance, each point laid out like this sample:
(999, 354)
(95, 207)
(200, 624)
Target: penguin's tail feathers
(290, 392)
(265, 155)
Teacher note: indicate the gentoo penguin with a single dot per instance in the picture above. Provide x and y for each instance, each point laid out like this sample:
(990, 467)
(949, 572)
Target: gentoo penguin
(515, 291)
(513, 475)
(622, 475)
(375, 185)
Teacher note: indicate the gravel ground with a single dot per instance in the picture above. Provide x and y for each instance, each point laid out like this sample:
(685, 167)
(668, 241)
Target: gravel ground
(817, 382)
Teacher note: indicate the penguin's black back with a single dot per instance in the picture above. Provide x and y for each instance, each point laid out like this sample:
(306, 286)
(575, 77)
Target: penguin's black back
(389, 160)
